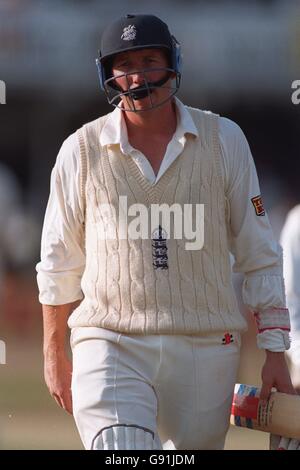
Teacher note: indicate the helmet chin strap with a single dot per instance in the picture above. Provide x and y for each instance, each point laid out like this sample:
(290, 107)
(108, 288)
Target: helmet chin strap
(142, 91)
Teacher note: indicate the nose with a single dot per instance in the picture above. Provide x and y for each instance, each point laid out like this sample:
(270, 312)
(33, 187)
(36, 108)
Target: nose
(137, 78)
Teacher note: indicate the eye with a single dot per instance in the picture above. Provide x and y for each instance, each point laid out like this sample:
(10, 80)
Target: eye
(122, 63)
(125, 63)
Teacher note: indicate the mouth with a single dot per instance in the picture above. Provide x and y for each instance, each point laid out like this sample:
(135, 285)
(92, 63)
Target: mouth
(140, 93)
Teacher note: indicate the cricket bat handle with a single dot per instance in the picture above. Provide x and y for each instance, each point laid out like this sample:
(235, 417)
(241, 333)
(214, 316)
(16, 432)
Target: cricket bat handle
(280, 415)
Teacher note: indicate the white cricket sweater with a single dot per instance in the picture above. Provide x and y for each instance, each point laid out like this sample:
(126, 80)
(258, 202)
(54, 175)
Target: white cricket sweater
(123, 290)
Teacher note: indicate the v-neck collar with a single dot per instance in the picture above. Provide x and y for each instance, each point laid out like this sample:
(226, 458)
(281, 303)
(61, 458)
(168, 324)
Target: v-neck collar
(153, 192)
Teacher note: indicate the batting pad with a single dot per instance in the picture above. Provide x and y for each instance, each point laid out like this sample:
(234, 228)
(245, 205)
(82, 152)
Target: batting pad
(126, 437)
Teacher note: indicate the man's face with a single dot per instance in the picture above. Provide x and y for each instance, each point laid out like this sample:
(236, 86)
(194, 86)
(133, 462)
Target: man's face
(133, 63)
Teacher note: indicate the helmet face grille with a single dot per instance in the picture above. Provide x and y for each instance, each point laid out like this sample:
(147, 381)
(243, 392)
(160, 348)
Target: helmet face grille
(114, 94)
(134, 32)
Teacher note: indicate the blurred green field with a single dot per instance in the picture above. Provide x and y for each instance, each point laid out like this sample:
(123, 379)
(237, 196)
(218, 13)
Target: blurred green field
(29, 417)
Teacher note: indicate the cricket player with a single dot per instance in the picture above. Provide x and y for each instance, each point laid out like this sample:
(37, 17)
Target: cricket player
(290, 241)
(146, 204)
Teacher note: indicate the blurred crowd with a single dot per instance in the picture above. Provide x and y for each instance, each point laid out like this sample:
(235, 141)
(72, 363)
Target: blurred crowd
(19, 241)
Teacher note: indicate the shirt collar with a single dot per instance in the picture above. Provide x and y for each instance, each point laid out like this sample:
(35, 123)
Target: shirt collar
(185, 122)
(113, 130)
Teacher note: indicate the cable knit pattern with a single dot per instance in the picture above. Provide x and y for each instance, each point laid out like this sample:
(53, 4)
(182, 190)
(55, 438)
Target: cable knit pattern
(122, 289)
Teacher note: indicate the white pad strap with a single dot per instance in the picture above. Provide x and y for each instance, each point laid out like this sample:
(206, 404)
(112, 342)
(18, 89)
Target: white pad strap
(126, 437)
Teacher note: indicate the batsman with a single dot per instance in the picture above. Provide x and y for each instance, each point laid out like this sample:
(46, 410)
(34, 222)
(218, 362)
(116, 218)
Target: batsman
(155, 326)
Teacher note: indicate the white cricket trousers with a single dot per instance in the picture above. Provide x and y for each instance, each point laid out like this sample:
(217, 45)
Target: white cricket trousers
(178, 387)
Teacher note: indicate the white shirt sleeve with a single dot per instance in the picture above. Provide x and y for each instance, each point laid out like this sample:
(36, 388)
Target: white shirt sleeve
(256, 252)
(62, 247)
(251, 241)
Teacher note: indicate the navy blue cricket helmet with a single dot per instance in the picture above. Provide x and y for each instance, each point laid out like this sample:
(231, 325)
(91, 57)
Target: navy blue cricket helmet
(134, 32)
